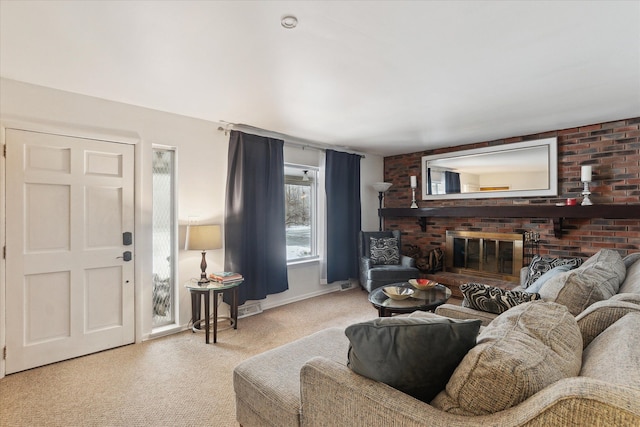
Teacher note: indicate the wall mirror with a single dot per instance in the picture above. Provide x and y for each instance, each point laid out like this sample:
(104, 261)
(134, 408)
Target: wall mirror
(522, 169)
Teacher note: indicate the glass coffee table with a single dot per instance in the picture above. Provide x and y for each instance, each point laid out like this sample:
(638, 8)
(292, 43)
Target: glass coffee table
(426, 300)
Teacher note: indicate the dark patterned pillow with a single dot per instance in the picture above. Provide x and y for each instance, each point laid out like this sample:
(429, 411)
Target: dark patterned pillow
(491, 299)
(540, 265)
(384, 251)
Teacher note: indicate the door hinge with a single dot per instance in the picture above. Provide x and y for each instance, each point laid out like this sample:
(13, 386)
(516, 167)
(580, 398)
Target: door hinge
(4, 150)
(4, 252)
(4, 353)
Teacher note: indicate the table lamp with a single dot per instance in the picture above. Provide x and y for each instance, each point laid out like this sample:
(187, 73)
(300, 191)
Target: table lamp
(201, 238)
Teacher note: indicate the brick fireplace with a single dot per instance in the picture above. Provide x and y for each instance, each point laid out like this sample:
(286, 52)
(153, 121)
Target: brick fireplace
(497, 255)
(613, 151)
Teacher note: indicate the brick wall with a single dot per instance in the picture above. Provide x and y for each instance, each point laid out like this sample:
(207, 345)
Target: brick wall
(613, 150)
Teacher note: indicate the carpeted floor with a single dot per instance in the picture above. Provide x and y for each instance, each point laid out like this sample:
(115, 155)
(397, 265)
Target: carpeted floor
(172, 381)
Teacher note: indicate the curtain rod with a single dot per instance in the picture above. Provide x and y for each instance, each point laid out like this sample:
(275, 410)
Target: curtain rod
(288, 140)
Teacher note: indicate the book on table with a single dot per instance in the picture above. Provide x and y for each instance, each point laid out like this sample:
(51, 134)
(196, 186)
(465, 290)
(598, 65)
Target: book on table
(225, 276)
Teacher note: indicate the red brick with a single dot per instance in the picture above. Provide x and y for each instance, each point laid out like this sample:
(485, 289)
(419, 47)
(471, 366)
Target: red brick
(582, 237)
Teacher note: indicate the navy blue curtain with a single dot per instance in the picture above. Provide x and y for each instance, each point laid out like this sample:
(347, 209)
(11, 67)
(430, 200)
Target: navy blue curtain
(342, 186)
(451, 182)
(255, 236)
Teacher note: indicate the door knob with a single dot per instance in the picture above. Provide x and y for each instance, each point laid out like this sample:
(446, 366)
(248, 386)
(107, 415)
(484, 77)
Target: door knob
(126, 256)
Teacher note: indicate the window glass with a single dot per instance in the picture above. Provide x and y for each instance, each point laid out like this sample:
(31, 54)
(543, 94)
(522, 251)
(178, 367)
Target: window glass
(164, 235)
(300, 211)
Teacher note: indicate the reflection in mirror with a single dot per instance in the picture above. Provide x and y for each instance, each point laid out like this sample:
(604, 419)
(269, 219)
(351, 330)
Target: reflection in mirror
(511, 170)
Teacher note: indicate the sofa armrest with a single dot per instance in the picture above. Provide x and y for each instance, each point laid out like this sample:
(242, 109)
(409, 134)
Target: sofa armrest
(333, 395)
(458, 312)
(365, 262)
(627, 297)
(407, 261)
(602, 314)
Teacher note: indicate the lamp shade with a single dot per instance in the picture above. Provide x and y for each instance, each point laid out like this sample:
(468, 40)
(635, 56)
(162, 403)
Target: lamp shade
(203, 237)
(381, 187)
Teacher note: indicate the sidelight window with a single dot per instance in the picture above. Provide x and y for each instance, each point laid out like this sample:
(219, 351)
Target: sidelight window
(164, 237)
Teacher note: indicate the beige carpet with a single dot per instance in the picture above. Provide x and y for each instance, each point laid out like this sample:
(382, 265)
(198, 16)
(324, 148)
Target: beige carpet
(172, 381)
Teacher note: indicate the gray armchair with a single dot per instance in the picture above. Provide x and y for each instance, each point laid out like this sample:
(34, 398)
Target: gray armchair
(373, 275)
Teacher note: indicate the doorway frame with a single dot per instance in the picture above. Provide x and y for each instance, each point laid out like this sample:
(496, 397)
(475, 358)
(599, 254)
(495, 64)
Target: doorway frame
(142, 251)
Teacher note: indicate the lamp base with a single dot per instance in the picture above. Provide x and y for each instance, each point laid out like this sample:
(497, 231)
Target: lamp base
(203, 267)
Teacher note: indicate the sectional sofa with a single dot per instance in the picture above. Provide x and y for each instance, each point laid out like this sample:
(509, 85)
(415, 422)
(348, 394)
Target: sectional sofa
(537, 364)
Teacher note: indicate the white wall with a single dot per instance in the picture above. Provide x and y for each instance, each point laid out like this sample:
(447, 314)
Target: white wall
(201, 177)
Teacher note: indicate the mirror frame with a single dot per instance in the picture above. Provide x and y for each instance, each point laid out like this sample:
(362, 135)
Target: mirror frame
(551, 143)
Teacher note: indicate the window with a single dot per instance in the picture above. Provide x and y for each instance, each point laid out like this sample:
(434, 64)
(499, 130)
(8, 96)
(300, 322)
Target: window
(164, 237)
(300, 189)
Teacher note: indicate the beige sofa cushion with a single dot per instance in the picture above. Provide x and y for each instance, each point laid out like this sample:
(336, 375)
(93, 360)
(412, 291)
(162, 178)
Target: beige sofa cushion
(522, 351)
(631, 284)
(613, 355)
(599, 278)
(267, 385)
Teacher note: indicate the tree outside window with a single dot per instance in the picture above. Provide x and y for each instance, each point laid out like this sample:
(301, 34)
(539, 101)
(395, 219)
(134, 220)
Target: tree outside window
(300, 212)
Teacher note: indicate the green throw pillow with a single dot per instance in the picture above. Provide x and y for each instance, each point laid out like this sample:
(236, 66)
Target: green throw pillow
(414, 355)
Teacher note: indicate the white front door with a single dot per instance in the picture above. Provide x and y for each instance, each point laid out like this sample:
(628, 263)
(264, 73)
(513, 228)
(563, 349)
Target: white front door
(70, 291)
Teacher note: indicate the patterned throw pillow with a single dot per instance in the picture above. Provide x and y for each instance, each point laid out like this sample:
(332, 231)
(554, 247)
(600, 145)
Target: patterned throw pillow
(540, 265)
(384, 251)
(492, 299)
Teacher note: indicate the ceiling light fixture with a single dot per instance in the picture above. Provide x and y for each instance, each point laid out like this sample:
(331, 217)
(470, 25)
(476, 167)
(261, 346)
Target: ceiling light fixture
(289, 22)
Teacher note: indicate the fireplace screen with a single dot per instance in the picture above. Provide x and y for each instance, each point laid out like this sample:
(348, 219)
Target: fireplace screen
(496, 255)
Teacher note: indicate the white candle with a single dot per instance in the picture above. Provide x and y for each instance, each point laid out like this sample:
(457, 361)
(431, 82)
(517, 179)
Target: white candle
(586, 174)
(414, 182)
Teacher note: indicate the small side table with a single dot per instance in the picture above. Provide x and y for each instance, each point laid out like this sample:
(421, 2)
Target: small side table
(197, 292)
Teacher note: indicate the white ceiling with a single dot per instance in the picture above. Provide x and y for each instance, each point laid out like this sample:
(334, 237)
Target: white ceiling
(386, 77)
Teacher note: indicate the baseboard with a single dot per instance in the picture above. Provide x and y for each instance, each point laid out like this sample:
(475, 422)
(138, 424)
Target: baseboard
(267, 305)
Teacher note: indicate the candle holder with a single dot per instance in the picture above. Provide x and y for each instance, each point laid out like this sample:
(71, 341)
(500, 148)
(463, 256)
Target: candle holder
(414, 205)
(586, 201)
(585, 177)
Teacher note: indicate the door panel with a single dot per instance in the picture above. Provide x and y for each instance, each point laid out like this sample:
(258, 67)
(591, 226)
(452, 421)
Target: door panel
(103, 221)
(48, 295)
(102, 302)
(45, 205)
(69, 292)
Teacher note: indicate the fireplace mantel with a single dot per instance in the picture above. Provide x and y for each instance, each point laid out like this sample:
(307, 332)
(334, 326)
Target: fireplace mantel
(556, 213)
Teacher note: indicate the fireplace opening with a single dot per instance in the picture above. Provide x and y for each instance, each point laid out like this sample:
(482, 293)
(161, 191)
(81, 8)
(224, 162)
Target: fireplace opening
(496, 255)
